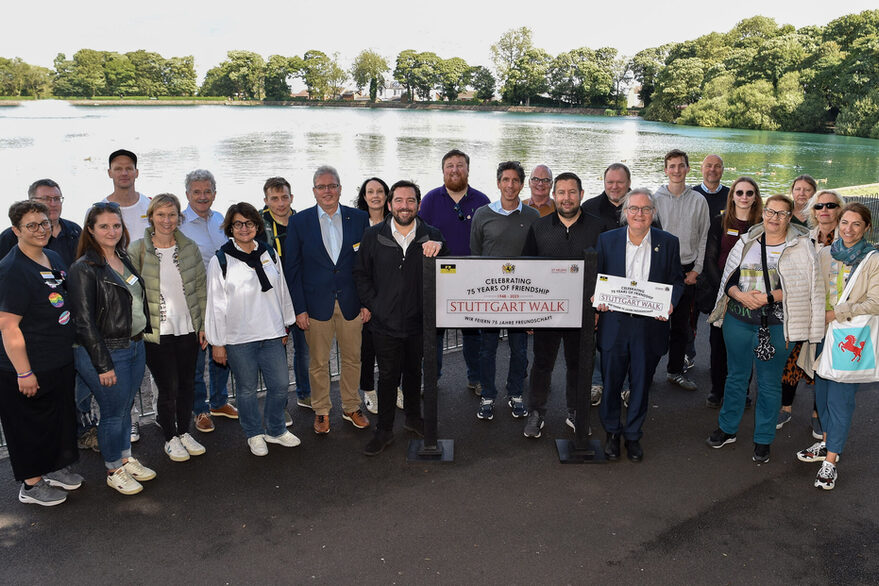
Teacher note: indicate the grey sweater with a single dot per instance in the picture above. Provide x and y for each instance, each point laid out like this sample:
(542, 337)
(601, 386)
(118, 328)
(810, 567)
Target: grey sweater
(685, 216)
(494, 234)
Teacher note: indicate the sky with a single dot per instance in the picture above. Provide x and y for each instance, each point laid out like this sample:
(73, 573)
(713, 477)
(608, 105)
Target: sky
(37, 31)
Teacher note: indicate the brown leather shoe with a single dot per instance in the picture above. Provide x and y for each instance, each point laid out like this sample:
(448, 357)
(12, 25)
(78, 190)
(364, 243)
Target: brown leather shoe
(203, 423)
(226, 410)
(357, 419)
(321, 424)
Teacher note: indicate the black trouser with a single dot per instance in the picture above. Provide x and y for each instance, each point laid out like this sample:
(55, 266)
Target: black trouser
(367, 359)
(398, 358)
(546, 348)
(172, 364)
(679, 327)
(718, 362)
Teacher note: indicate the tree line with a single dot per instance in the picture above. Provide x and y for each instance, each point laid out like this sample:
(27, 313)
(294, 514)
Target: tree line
(759, 75)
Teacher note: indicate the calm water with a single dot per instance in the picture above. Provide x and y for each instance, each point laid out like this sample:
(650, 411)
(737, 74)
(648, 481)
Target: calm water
(243, 146)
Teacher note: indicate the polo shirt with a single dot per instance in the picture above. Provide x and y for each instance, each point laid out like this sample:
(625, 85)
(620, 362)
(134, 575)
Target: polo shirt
(438, 210)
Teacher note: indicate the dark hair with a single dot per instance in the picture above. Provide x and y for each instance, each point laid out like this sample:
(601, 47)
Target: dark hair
(32, 190)
(404, 183)
(511, 166)
(360, 202)
(249, 212)
(19, 209)
(859, 209)
(123, 153)
(754, 215)
(276, 184)
(782, 198)
(808, 179)
(568, 177)
(617, 167)
(673, 154)
(454, 153)
(87, 241)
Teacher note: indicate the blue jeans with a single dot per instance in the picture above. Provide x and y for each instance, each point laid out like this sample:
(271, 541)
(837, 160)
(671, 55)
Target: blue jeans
(300, 362)
(518, 341)
(471, 342)
(247, 361)
(219, 377)
(86, 418)
(114, 428)
(741, 338)
(836, 404)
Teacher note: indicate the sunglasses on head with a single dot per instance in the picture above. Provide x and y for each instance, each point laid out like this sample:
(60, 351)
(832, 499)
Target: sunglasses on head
(831, 205)
(101, 205)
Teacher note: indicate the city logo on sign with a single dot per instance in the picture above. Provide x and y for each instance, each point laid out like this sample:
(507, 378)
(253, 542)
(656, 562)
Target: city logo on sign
(447, 268)
(575, 268)
(508, 268)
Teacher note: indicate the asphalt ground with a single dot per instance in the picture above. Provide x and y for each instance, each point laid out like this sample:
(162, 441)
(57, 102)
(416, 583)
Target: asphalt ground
(504, 511)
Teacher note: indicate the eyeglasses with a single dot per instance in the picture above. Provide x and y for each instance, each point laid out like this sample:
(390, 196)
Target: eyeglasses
(770, 213)
(106, 204)
(237, 225)
(34, 226)
(50, 199)
(830, 205)
(328, 186)
(460, 212)
(543, 180)
(635, 210)
(749, 193)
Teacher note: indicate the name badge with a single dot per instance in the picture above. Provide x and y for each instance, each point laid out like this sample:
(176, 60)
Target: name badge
(732, 232)
(356, 246)
(131, 280)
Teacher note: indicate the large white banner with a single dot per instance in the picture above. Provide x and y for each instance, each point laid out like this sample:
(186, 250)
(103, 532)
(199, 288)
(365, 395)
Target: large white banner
(509, 293)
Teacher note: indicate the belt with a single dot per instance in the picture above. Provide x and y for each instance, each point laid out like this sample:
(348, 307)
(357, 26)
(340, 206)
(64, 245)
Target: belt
(121, 343)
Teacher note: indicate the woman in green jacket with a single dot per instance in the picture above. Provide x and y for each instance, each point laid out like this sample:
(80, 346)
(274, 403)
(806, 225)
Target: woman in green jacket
(173, 272)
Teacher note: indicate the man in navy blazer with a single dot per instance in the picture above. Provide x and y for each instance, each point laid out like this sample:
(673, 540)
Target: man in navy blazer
(633, 344)
(319, 253)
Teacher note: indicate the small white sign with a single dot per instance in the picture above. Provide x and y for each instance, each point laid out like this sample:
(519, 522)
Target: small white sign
(509, 293)
(630, 296)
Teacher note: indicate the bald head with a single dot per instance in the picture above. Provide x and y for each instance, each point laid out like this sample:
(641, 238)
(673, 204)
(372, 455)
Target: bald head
(540, 184)
(712, 171)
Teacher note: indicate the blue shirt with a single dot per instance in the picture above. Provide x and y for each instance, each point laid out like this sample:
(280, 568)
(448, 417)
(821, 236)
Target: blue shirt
(497, 206)
(331, 231)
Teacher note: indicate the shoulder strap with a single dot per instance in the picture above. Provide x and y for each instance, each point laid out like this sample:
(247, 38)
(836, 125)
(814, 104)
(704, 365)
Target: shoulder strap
(852, 278)
(221, 258)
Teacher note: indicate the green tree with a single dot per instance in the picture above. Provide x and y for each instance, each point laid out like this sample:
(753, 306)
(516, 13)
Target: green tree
(148, 72)
(88, 73)
(247, 72)
(178, 75)
(336, 77)
(847, 29)
(645, 67)
(752, 105)
(483, 82)
(861, 117)
(317, 69)
(369, 68)
(677, 85)
(217, 83)
(509, 50)
(453, 77)
(425, 73)
(527, 78)
(62, 84)
(279, 70)
(119, 75)
(403, 72)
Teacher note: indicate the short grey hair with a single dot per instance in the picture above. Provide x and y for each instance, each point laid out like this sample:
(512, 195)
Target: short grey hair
(32, 190)
(200, 175)
(324, 170)
(628, 196)
(542, 166)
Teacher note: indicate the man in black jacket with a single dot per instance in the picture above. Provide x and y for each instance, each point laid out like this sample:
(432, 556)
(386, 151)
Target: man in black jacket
(388, 274)
(562, 235)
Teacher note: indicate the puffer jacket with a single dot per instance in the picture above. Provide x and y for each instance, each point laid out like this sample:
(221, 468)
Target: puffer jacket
(143, 256)
(101, 307)
(803, 299)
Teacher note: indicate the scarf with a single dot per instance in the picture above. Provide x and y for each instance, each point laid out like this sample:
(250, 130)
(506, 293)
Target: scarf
(850, 256)
(251, 259)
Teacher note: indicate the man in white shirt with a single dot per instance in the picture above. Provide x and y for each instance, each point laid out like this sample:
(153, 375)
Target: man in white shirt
(204, 226)
(133, 205)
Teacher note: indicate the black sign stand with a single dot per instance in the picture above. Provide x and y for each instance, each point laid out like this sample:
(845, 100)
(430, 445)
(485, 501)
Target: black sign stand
(430, 449)
(581, 449)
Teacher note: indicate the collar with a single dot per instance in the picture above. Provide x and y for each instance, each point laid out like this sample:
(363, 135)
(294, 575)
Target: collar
(646, 239)
(189, 215)
(497, 206)
(321, 213)
(705, 188)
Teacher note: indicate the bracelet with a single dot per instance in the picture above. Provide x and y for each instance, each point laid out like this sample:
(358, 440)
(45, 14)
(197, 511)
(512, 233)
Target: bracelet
(25, 374)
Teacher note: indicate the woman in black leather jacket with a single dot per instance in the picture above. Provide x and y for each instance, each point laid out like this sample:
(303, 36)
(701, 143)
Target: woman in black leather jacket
(110, 314)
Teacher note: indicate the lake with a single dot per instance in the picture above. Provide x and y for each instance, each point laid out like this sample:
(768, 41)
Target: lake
(243, 146)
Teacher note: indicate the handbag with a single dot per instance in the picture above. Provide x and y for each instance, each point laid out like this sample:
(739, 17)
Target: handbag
(849, 354)
(764, 350)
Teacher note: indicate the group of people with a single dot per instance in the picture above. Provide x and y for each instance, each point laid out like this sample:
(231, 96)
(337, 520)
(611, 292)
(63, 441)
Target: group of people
(147, 283)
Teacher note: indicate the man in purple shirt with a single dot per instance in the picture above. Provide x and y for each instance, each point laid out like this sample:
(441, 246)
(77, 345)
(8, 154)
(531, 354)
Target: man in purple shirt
(450, 208)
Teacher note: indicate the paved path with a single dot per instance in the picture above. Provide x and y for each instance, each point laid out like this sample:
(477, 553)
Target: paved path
(505, 511)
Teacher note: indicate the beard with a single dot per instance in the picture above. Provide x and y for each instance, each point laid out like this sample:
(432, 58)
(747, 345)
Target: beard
(457, 183)
(403, 221)
(568, 214)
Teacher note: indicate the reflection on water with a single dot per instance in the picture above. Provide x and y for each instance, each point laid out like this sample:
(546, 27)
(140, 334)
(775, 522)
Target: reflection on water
(245, 145)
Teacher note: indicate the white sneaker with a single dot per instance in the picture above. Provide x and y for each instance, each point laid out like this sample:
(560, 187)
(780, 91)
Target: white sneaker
(370, 398)
(175, 450)
(138, 471)
(122, 481)
(286, 439)
(596, 395)
(288, 419)
(399, 398)
(258, 445)
(192, 447)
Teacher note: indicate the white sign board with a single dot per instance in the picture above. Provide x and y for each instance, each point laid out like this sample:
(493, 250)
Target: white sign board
(630, 296)
(509, 293)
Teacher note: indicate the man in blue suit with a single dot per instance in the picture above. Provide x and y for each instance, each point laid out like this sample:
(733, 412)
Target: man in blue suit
(633, 344)
(319, 253)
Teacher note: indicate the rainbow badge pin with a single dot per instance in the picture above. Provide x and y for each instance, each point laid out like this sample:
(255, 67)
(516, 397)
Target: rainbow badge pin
(56, 299)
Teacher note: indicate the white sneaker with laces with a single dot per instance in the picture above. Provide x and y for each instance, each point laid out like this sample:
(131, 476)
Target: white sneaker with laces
(175, 450)
(258, 445)
(370, 398)
(827, 476)
(138, 471)
(122, 481)
(286, 439)
(192, 447)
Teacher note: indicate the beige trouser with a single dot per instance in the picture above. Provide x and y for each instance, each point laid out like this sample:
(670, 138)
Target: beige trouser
(319, 336)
